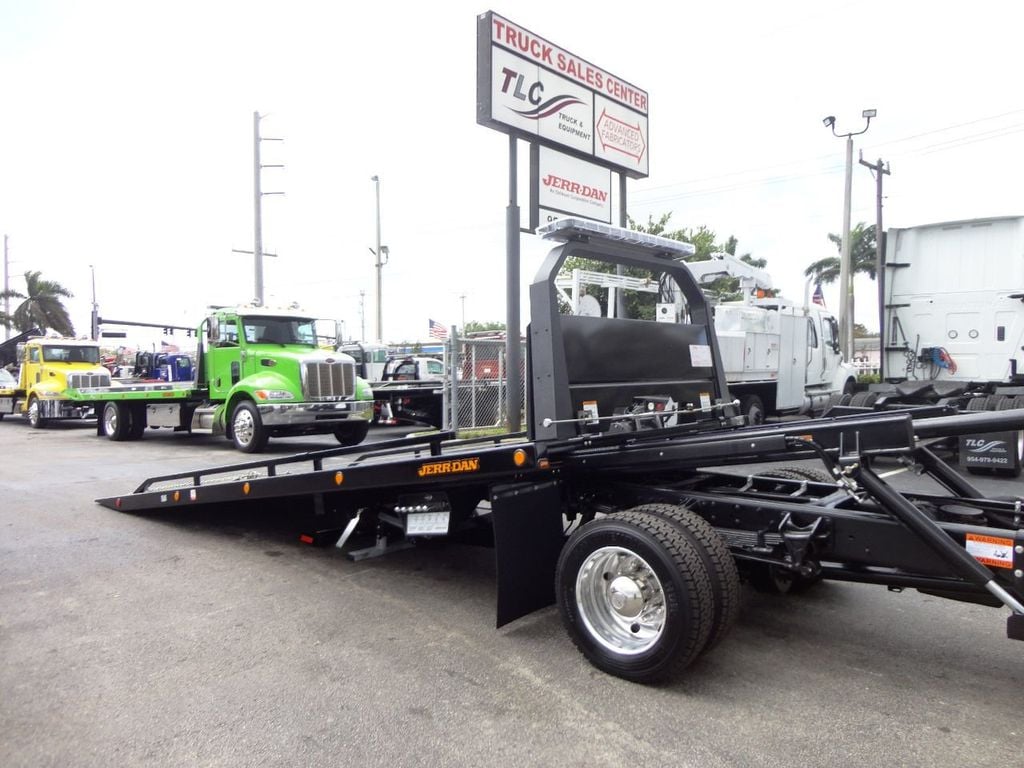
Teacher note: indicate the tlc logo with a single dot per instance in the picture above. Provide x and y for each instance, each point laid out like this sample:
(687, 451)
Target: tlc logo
(531, 94)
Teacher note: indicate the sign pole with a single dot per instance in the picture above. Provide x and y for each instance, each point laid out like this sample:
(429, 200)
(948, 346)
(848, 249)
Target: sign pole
(512, 350)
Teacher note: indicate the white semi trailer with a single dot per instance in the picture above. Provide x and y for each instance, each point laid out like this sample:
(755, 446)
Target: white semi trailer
(953, 327)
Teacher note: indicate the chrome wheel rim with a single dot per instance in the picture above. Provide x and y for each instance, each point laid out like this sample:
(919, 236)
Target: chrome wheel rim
(33, 413)
(620, 600)
(110, 420)
(244, 427)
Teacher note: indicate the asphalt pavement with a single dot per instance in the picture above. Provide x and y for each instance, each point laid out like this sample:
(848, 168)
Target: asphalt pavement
(217, 639)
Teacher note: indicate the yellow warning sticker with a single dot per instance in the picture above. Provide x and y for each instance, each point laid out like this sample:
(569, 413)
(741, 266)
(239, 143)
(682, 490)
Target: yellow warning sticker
(990, 550)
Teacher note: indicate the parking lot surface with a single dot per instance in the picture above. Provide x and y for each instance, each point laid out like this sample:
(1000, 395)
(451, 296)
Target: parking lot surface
(216, 638)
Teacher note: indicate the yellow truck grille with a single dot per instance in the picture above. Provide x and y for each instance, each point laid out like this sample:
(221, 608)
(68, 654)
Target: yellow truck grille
(83, 380)
(328, 381)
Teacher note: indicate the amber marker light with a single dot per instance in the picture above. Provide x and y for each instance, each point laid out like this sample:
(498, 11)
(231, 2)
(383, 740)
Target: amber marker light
(177, 495)
(245, 489)
(339, 478)
(519, 457)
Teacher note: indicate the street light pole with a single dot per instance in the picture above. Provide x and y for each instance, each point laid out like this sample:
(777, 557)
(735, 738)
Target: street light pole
(845, 281)
(846, 322)
(377, 255)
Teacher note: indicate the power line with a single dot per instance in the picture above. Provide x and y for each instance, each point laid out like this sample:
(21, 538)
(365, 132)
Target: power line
(941, 146)
(949, 128)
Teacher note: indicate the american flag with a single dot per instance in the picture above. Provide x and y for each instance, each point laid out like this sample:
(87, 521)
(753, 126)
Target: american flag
(819, 297)
(438, 331)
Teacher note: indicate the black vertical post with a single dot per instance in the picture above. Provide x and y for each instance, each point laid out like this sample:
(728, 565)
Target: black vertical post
(512, 352)
(534, 186)
(620, 298)
(623, 216)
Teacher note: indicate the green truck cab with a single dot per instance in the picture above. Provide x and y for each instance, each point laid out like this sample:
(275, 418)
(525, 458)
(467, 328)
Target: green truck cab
(49, 369)
(259, 374)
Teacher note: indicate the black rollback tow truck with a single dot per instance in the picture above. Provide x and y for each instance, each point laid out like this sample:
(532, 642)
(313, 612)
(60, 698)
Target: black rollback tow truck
(607, 505)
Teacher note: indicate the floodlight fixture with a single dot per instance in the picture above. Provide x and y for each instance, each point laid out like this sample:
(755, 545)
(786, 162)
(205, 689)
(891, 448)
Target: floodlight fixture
(867, 114)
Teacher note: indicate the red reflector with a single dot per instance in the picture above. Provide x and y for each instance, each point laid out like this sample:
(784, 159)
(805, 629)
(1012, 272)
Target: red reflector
(117, 503)
(306, 539)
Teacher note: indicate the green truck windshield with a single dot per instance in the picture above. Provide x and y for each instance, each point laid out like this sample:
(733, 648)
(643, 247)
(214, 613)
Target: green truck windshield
(71, 355)
(279, 330)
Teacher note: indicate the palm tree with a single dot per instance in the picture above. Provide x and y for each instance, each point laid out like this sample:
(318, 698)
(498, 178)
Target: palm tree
(41, 306)
(862, 258)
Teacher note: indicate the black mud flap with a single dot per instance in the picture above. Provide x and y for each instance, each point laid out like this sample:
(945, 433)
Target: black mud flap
(528, 537)
(1015, 626)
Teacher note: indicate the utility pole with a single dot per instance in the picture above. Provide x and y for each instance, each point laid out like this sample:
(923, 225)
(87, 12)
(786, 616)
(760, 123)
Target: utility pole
(845, 281)
(463, 326)
(878, 171)
(7, 287)
(362, 315)
(258, 194)
(380, 252)
(94, 324)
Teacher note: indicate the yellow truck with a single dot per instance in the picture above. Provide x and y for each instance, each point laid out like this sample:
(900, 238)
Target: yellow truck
(48, 368)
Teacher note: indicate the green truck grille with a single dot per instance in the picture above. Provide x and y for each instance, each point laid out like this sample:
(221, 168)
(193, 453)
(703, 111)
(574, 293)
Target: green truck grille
(328, 381)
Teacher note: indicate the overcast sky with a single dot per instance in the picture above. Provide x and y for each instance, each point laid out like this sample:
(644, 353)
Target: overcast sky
(126, 141)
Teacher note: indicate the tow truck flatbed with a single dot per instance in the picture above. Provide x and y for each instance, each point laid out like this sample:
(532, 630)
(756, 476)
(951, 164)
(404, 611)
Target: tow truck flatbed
(607, 507)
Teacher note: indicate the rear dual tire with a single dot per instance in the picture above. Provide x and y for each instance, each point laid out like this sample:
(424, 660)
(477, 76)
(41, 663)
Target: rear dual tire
(643, 592)
(123, 421)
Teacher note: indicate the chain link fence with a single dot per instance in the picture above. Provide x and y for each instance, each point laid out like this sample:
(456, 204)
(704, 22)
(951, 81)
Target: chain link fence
(477, 389)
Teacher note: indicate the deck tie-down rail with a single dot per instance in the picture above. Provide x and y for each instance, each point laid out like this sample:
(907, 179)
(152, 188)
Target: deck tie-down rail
(316, 458)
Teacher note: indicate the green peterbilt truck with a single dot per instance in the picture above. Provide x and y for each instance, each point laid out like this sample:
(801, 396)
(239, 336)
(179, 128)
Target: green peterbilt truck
(259, 374)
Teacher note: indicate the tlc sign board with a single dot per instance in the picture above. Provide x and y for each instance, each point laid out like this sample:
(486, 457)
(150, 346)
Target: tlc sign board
(537, 91)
